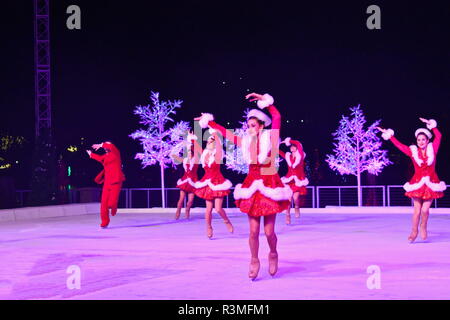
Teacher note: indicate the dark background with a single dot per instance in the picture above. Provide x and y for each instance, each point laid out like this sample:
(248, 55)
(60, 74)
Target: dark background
(317, 59)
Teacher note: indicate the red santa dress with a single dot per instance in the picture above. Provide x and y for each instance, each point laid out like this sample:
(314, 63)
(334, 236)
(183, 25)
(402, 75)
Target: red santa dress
(425, 183)
(262, 192)
(188, 180)
(213, 184)
(295, 177)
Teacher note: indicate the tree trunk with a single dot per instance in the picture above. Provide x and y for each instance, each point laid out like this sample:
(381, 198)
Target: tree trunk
(163, 193)
(359, 189)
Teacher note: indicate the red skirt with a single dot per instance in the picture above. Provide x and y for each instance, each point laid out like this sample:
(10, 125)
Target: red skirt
(207, 193)
(186, 187)
(302, 190)
(259, 205)
(425, 193)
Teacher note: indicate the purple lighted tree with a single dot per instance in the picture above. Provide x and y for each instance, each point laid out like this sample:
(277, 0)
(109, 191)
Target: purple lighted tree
(357, 150)
(159, 142)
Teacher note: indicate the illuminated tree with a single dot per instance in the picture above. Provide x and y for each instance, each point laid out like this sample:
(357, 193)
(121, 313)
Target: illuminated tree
(357, 149)
(158, 141)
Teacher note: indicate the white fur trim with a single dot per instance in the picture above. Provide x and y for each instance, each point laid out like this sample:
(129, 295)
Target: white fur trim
(211, 159)
(287, 141)
(264, 146)
(265, 102)
(297, 158)
(277, 194)
(191, 137)
(226, 185)
(388, 134)
(260, 115)
(425, 180)
(430, 154)
(191, 163)
(298, 182)
(188, 180)
(204, 119)
(425, 131)
(432, 124)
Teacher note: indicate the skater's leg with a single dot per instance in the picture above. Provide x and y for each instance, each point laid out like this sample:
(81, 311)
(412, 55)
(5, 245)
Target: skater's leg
(218, 206)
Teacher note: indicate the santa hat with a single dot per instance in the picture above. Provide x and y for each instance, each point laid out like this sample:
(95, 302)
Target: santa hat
(424, 131)
(260, 116)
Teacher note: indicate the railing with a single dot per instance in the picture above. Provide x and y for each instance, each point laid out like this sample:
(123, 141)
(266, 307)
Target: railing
(317, 197)
(348, 196)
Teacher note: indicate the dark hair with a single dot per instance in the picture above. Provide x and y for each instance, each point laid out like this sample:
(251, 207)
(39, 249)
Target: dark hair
(262, 123)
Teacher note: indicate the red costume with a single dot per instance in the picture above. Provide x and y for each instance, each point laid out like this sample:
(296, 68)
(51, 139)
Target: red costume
(262, 193)
(112, 178)
(425, 183)
(295, 178)
(213, 184)
(187, 182)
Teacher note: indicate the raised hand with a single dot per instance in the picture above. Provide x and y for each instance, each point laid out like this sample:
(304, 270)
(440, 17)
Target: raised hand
(381, 129)
(424, 120)
(254, 96)
(198, 118)
(96, 146)
(89, 152)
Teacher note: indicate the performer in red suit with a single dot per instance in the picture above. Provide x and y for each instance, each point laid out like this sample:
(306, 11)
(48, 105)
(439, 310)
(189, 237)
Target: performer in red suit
(112, 178)
(295, 178)
(212, 187)
(187, 183)
(262, 193)
(425, 185)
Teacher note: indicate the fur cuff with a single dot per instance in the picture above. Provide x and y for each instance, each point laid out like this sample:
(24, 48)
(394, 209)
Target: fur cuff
(388, 134)
(287, 141)
(432, 124)
(205, 118)
(265, 102)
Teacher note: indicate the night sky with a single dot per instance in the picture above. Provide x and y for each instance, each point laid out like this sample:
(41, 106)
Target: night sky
(317, 59)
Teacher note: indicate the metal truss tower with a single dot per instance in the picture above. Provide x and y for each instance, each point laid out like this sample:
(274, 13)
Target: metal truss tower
(43, 114)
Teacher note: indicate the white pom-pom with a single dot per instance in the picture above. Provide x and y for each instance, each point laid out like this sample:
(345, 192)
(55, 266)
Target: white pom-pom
(287, 141)
(432, 124)
(205, 118)
(388, 134)
(265, 102)
(191, 137)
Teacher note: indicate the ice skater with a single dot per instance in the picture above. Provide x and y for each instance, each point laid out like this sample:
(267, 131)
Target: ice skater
(262, 193)
(187, 183)
(112, 178)
(425, 185)
(212, 187)
(295, 177)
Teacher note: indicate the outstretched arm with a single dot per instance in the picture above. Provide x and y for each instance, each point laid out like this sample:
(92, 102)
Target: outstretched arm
(432, 125)
(95, 156)
(388, 134)
(207, 120)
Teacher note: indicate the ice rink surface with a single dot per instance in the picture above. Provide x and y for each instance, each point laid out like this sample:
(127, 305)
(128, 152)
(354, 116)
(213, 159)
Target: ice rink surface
(151, 256)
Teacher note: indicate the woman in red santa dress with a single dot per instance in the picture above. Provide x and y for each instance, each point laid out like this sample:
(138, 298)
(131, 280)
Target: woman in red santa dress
(212, 187)
(111, 176)
(295, 177)
(262, 194)
(425, 185)
(187, 183)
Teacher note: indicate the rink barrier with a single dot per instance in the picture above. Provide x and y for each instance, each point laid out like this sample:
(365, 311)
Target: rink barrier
(317, 197)
(32, 213)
